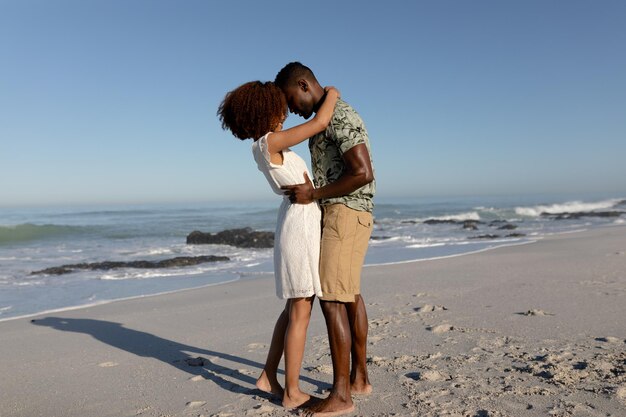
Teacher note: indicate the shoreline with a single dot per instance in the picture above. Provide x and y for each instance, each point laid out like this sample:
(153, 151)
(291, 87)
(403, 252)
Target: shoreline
(126, 234)
(529, 240)
(260, 275)
(525, 331)
(105, 302)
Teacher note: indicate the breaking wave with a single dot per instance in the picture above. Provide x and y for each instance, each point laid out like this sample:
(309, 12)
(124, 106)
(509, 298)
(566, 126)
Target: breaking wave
(568, 207)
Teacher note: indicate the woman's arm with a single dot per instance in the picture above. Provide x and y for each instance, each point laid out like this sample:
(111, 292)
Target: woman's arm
(278, 141)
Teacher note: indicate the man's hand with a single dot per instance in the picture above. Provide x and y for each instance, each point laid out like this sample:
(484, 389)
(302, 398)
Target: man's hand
(300, 193)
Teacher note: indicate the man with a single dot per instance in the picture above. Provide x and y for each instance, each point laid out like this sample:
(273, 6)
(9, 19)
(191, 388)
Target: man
(344, 179)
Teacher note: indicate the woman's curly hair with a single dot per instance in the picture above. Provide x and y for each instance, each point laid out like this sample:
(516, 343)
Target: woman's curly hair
(253, 109)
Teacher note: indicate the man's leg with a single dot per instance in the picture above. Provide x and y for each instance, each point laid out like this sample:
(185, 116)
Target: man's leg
(339, 337)
(357, 316)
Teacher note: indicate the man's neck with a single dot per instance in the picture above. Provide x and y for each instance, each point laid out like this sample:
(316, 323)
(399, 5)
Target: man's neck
(321, 96)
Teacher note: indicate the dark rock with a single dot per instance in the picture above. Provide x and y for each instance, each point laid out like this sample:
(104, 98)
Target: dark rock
(484, 237)
(241, 238)
(380, 237)
(463, 222)
(578, 215)
(470, 225)
(489, 236)
(108, 265)
(508, 226)
(409, 222)
(437, 221)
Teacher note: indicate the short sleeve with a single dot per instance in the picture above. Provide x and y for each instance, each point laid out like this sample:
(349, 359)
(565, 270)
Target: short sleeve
(271, 171)
(261, 152)
(262, 148)
(349, 129)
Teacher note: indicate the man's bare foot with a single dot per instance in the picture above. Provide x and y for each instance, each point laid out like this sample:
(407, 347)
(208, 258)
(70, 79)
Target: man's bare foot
(264, 383)
(361, 389)
(330, 407)
(359, 382)
(295, 400)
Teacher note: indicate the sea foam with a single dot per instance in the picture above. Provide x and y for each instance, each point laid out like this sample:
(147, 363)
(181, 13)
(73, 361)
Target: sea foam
(568, 207)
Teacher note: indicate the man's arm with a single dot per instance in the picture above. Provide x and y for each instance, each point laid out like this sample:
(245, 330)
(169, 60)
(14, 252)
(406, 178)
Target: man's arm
(358, 172)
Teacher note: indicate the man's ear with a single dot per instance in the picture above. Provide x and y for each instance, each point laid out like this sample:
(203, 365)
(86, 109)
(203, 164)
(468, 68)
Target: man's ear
(304, 85)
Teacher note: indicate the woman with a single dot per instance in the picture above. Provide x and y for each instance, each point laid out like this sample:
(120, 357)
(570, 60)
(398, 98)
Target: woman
(257, 110)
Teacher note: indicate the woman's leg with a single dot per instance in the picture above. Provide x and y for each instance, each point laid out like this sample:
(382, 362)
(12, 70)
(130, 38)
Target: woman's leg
(295, 339)
(267, 381)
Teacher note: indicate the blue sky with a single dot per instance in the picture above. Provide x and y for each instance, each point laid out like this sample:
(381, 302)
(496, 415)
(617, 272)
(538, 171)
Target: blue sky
(108, 101)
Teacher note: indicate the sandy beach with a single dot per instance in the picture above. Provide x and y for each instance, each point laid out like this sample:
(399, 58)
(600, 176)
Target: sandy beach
(529, 330)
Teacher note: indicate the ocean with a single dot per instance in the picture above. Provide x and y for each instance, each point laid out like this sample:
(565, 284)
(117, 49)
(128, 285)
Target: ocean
(36, 238)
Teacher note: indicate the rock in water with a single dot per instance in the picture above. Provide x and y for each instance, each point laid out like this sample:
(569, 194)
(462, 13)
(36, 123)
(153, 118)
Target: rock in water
(508, 226)
(107, 265)
(578, 215)
(241, 238)
(470, 225)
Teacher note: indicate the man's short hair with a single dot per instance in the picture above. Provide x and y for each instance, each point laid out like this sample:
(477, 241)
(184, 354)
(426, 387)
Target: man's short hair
(291, 73)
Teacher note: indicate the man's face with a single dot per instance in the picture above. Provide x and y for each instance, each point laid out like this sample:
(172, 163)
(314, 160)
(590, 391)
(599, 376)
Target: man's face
(300, 100)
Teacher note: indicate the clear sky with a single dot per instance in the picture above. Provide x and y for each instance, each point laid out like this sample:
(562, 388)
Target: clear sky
(105, 101)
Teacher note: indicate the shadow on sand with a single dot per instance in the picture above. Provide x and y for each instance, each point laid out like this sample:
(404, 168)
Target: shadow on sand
(184, 357)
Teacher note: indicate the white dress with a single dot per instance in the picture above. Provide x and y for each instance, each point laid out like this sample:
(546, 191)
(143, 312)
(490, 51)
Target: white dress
(298, 229)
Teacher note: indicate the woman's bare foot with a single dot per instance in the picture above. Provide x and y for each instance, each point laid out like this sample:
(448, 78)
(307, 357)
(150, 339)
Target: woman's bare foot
(270, 385)
(295, 399)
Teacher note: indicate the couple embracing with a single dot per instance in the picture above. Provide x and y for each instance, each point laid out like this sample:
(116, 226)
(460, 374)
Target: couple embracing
(338, 208)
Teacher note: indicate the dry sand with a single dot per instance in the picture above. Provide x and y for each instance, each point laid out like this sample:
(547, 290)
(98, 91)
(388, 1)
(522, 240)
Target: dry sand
(529, 330)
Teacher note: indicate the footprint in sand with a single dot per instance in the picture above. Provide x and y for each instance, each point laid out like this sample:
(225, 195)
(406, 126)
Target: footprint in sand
(195, 404)
(535, 312)
(325, 369)
(199, 361)
(253, 346)
(432, 375)
(246, 372)
(608, 339)
(427, 308)
(379, 322)
(143, 410)
(377, 360)
(261, 409)
(442, 328)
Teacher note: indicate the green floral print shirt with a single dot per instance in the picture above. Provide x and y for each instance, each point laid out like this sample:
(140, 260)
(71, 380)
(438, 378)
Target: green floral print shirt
(345, 130)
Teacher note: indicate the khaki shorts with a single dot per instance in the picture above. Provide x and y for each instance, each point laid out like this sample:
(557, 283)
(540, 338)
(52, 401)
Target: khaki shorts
(345, 236)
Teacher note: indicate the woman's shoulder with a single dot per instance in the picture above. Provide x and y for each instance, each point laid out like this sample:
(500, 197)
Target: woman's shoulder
(262, 155)
(261, 143)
